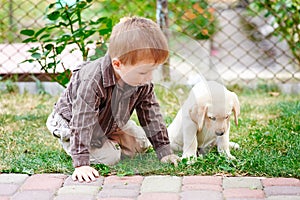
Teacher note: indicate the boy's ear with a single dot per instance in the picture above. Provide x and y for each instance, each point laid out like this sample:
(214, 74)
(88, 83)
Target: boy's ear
(116, 63)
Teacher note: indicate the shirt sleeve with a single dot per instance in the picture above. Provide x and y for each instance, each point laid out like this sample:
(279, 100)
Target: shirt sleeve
(84, 119)
(151, 120)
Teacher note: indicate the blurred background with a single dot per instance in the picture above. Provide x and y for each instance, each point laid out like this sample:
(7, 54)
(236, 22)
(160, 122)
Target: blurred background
(240, 42)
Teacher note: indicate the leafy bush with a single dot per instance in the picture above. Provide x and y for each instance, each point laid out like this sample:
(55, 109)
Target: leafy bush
(66, 26)
(286, 15)
(194, 18)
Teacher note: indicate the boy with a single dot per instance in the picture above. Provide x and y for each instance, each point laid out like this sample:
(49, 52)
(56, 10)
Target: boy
(91, 118)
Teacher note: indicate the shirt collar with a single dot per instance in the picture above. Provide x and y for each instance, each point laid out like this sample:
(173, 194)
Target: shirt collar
(109, 78)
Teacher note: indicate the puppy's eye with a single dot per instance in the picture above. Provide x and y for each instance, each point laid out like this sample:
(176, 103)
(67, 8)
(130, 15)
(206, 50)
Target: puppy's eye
(212, 118)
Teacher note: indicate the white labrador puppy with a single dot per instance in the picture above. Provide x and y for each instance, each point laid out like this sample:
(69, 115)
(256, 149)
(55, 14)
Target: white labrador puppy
(204, 120)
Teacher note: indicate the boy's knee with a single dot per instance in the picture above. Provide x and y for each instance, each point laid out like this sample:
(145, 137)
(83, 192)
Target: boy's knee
(50, 124)
(108, 154)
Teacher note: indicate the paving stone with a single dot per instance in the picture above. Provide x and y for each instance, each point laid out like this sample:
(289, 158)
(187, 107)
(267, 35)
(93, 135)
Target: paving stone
(75, 197)
(121, 186)
(282, 190)
(242, 182)
(69, 181)
(159, 196)
(243, 193)
(33, 195)
(161, 184)
(124, 179)
(116, 198)
(8, 189)
(13, 178)
(49, 187)
(201, 195)
(245, 199)
(212, 180)
(79, 189)
(201, 187)
(283, 198)
(44, 182)
(128, 193)
(281, 182)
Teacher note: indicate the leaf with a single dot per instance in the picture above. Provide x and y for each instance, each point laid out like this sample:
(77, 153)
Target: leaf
(88, 33)
(33, 49)
(28, 32)
(53, 16)
(64, 38)
(63, 24)
(64, 77)
(81, 4)
(28, 60)
(51, 65)
(98, 21)
(29, 40)
(51, 5)
(40, 31)
(104, 31)
(46, 53)
(46, 36)
(49, 46)
(59, 49)
(36, 55)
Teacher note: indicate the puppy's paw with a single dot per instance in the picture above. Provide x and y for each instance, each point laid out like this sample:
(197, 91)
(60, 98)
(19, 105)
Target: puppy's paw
(234, 145)
(231, 157)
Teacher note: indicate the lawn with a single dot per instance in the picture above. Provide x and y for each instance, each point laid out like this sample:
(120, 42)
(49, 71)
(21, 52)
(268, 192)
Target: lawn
(268, 133)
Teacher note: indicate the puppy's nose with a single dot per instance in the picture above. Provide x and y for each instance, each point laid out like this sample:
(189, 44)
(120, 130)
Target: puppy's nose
(219, 133)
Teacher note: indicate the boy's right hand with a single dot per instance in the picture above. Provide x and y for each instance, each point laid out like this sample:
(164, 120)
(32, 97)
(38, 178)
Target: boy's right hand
(85, 173)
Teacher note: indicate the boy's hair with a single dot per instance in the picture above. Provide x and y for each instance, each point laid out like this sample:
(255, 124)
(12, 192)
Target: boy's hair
(136, 39)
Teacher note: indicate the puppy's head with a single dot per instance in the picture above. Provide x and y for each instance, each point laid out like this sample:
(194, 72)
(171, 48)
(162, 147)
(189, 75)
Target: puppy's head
(219, 111)
(213, 114)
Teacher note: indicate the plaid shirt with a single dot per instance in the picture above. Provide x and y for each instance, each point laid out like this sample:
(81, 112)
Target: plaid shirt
(95, 105)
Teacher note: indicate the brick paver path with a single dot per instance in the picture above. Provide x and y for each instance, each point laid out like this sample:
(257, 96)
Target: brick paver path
(61, 187)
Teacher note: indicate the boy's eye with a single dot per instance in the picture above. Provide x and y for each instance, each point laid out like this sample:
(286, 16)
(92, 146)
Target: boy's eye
(212, 118)
(227, 117)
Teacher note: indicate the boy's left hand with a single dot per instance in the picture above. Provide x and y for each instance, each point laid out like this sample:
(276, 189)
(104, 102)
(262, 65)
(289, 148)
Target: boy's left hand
(172, 158)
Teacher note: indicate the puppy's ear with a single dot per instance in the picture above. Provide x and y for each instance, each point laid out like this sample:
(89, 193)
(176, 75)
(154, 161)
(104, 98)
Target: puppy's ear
(235, 107)
(197, 115)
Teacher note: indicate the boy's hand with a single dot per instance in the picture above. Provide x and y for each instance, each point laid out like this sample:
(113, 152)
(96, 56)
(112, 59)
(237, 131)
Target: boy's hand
(85, 173)
(172, 158)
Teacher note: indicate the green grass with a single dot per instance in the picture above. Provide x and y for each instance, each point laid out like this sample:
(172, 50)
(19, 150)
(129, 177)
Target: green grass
(268, 134)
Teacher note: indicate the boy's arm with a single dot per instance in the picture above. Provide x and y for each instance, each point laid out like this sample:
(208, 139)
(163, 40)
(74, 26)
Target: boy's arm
(84, 121)
(151, 120)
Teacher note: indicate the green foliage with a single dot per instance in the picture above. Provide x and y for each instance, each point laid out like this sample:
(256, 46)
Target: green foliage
(142, 8)
(195, 18)
(287, 16)
(66, 27)
(16, 14)
(268, 134)
(11, 86)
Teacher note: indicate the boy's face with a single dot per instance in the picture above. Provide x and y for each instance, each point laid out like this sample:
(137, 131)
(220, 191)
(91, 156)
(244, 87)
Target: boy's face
(135, 75)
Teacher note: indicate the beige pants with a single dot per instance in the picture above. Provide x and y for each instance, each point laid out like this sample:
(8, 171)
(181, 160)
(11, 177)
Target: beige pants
(128, 140)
